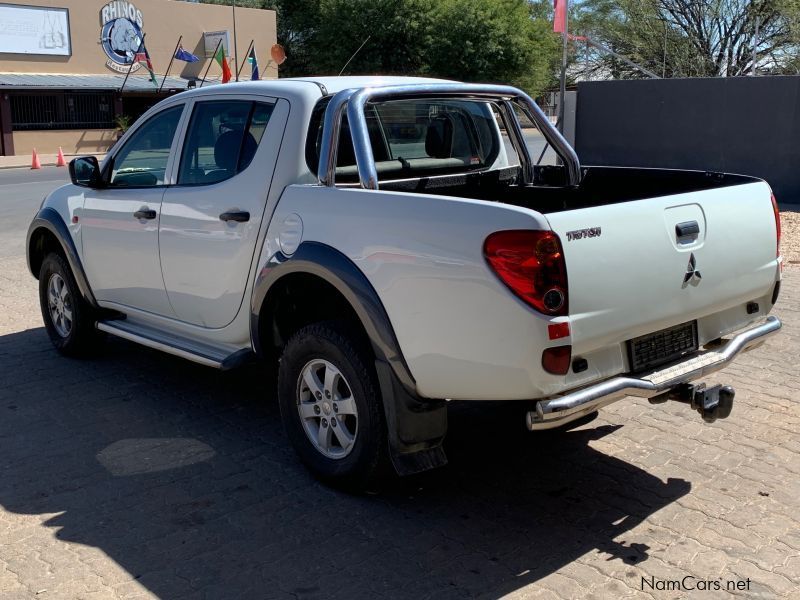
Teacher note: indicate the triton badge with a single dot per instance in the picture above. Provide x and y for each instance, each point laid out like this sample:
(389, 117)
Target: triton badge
(579, 234)
(692, 273)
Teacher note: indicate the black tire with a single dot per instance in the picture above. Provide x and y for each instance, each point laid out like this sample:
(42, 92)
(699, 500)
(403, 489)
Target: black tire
(81, 336)
(365, 463)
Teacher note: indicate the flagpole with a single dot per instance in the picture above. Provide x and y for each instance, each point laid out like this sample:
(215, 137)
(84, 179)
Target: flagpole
(213, 56)
(235, 48)
(246, 56)
(124, 81)
(563, 82)
(169, 66)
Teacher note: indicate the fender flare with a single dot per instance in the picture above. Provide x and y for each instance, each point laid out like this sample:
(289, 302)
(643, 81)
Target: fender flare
(416, 426)
(48, 218)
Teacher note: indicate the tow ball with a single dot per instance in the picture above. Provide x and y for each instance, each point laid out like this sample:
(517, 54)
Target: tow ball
(711, 402)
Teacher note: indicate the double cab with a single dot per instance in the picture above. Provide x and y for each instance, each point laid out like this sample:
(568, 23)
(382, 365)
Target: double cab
(386, 245)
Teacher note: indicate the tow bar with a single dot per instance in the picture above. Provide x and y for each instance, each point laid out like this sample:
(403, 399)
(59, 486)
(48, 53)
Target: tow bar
(711, 402)
(665, 383)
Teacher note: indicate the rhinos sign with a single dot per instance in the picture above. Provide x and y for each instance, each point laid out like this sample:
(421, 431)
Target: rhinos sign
(121, 34)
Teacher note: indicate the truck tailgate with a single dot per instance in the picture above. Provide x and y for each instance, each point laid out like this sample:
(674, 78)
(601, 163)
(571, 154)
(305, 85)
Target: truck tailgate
(630, 272)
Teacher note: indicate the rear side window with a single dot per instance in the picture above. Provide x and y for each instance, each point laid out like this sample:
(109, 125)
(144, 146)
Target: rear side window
(416, 138)
(221, 140)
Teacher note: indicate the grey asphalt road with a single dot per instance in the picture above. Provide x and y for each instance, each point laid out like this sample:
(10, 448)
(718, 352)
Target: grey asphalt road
(21, 193)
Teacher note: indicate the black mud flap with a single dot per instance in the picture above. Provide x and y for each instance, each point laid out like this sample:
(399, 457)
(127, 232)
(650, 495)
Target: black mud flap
(416, 427)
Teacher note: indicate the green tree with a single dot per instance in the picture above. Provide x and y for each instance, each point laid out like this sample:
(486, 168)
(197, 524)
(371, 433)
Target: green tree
(509, 41)
(298, 23)
(492, 40)
(399, 34)
(686, 38)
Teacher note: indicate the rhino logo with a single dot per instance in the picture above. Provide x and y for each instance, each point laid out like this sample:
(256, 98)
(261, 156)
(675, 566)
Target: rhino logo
(124, 39)
(121, 35)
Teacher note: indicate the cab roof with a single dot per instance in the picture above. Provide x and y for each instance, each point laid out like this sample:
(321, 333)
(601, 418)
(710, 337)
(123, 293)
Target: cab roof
(337, 84)
(307, 88)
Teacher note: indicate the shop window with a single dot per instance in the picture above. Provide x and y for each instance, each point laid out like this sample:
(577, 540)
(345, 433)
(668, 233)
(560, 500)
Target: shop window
(76, 110)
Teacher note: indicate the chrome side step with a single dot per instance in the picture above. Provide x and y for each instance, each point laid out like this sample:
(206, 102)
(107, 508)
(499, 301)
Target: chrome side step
(198, 352)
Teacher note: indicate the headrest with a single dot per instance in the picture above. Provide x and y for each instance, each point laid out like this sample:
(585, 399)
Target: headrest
(226, 149)
(439, 139)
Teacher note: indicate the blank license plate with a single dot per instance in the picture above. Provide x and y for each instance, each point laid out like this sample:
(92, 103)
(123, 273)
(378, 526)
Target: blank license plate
(663, 346)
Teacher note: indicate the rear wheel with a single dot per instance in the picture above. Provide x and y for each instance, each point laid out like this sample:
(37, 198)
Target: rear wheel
(330, 405)
(67, 316)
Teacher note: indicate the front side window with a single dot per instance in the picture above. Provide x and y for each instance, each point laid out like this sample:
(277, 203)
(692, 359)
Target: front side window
(142, 161)
(222, 139)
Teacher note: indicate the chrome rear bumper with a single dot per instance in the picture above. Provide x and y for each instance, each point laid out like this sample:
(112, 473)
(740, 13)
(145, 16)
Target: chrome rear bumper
(563, 409)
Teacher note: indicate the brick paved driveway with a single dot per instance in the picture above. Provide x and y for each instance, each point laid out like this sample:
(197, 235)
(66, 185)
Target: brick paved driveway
(138, 475)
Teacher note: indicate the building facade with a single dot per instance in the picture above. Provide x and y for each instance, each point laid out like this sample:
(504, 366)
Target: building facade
(70, 76)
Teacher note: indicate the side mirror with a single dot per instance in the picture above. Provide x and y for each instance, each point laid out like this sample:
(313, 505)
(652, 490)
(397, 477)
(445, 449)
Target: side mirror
(85, 171)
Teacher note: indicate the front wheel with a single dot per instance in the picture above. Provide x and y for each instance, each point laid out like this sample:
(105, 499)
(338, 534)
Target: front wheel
(67, 317)
(330, 405)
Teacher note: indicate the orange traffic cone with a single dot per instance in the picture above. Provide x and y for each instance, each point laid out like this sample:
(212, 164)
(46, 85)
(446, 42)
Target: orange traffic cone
(35, 164)
(60, 162)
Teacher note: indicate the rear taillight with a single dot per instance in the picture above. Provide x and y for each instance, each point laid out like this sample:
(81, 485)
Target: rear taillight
(531, 264)
(777, 224)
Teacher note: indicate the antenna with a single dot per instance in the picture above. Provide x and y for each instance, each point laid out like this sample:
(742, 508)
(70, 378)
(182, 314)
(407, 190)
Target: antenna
(354, 54)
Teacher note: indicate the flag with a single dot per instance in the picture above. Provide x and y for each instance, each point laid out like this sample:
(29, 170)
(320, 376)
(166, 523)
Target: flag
(253, 65)
(143, 58)
(220, 58)
(560, 15)
(185, 55)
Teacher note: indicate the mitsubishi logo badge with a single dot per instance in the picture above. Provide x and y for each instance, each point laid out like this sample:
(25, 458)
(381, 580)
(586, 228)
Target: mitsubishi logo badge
(692, 273)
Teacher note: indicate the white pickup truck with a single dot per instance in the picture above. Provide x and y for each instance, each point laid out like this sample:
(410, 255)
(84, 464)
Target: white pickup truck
(389, 244)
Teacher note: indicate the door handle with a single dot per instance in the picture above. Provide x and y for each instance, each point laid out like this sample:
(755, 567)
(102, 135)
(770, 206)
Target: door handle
(145, 213)
(687, 228)
(240, 216)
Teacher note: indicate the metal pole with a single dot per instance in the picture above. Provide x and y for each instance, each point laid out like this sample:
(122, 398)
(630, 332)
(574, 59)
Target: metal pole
(755, 48)
(235, 47)
(202, 81)
(664, 64)
(246, 56)
(124, 81)
(563, 84)
(169, 66)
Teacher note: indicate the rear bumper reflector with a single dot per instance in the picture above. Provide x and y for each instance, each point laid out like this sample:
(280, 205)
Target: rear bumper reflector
(556, 331)
(556, 360)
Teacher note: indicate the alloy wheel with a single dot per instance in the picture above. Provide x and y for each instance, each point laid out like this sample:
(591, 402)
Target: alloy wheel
(327, 408)
(59, 302)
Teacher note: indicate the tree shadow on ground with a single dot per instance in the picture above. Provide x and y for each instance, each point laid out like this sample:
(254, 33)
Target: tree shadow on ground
(183, 476)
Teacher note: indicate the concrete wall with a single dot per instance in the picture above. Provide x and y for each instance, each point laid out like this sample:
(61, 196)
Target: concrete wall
(72, 141)
(163, 21)
(748, 125)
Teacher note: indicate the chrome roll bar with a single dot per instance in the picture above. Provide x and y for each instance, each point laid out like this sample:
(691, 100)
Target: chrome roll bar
(355, 100)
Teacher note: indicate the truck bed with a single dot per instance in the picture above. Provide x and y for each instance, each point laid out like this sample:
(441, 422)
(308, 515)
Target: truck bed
(600, 186)
(631, 272)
